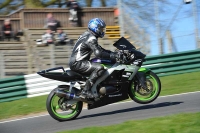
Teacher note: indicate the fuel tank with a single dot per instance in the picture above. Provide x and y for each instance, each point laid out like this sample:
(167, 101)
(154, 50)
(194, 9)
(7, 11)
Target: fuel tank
(103, 61)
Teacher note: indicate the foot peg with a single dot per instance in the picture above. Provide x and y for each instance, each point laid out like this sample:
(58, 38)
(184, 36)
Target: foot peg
(87, 94)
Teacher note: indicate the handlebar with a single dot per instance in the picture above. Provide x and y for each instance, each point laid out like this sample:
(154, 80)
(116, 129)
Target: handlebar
(125, 59)
(130, 56)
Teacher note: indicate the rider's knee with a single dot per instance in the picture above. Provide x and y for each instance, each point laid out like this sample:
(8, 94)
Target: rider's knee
(100, 70)
(100, 67)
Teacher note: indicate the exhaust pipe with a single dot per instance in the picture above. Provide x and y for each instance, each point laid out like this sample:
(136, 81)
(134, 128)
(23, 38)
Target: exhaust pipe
(71, 96)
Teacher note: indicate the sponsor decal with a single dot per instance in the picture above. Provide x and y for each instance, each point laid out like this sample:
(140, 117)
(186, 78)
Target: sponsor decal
(126, 76)
(124, 46)
(118, 95)
(128, 73)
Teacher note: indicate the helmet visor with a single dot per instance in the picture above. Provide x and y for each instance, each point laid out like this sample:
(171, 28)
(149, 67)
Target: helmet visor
(102, 30)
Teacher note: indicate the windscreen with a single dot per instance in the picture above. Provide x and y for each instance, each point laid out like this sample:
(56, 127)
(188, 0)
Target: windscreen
(123, 44)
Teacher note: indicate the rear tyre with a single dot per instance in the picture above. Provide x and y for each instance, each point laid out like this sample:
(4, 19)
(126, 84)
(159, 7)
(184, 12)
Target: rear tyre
(59, 109)
(139, 95)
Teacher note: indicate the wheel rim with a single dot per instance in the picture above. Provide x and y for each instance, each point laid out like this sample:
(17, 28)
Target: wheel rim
(60, 113)
(151, 95)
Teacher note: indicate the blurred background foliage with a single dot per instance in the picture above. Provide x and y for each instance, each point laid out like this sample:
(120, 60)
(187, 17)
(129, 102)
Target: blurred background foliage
(7, 6)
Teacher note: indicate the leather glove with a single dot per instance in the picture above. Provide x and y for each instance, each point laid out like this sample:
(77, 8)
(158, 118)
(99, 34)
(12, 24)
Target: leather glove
(116, 55)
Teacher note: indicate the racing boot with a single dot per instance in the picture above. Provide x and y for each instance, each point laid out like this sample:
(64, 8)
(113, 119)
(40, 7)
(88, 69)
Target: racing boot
(86, 92)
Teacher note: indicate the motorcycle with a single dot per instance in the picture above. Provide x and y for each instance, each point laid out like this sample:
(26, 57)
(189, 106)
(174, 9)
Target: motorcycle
(122, 79)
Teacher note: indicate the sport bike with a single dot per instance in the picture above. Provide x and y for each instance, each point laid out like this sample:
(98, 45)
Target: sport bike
(123, 79)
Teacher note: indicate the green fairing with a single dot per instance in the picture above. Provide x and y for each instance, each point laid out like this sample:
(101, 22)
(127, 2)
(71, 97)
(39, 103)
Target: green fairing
(142, 69)
(106, 66)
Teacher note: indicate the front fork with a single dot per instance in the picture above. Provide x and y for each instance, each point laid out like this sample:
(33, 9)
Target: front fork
(141, 76)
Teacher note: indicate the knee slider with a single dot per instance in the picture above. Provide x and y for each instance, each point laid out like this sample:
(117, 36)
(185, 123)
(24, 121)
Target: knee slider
(99, 67)
(100, 71)
(97, 73)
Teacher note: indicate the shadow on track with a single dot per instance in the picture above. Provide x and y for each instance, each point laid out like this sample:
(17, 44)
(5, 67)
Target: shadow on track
(158, 105)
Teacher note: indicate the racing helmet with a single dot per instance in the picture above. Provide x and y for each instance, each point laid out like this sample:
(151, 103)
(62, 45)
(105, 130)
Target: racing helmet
(97, 26)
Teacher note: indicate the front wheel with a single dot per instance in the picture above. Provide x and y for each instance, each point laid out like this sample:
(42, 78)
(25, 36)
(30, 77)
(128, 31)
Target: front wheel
(62, 109)
(138, 94)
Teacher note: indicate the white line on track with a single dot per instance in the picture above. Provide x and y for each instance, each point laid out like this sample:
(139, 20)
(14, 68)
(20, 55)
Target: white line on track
(110, 104)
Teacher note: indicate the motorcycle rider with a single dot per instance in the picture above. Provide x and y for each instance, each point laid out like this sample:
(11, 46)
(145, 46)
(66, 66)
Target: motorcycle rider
(83, 48)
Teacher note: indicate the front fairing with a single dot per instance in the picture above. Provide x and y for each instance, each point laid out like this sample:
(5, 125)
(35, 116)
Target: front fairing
(143, 69)
(124, 44)
(129, 70)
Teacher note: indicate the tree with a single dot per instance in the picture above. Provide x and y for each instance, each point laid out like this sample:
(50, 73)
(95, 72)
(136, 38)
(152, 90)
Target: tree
(38, 3)
(89, 3)
(10, 5)
(145, 9)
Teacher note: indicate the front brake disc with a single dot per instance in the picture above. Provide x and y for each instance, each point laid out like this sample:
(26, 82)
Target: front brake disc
(144, 92)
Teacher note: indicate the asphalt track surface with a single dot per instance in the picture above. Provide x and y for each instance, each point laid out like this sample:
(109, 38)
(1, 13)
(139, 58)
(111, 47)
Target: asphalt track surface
(107, 115)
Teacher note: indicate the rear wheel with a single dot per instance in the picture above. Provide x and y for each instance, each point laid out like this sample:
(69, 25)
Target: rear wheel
(142, 96)
(61, 108)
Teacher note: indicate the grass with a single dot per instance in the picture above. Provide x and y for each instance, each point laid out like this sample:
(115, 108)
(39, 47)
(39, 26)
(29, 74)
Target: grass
(180, 83)
(22, 107)
(170, 85)
(181, 123)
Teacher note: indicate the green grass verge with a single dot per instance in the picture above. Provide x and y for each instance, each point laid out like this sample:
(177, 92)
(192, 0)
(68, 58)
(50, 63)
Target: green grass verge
(170, 85)
(181, 83)
(181, 123)
(22, 107)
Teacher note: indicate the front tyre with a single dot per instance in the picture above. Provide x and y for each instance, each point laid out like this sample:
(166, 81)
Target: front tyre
(60, 109)
(142, 96)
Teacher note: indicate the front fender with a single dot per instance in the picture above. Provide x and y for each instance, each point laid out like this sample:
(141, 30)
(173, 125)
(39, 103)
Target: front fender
(143, 69)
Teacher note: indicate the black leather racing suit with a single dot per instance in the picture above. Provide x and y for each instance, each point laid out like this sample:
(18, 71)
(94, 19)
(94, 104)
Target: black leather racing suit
(79, 61)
